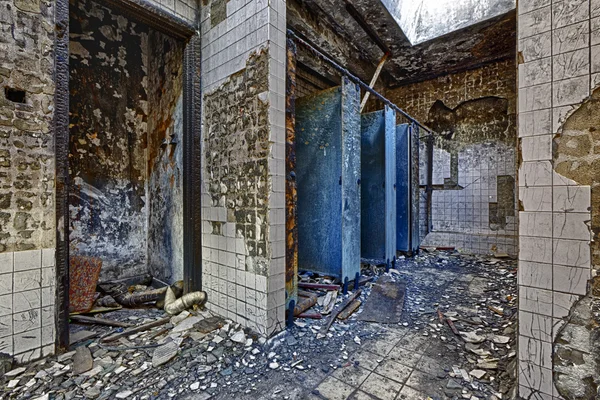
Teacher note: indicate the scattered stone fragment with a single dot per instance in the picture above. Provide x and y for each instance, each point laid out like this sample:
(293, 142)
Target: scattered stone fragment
(164, 354)
(500, 339)
(82, 361)
(186, 324)
(274, 365)
(477, 373)
(12, 384)
(15, 372)
(472, 337)
(123, 395)
(67, 356)
(239, 337)
(195, 386)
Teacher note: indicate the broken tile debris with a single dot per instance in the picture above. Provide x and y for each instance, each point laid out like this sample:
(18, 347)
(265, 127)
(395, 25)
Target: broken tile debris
(211, 357)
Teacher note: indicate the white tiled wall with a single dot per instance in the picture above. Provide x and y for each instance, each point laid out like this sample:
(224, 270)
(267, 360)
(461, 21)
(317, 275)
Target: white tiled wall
(184, 9)
(255, 300)
(554, 258)
(27, 294)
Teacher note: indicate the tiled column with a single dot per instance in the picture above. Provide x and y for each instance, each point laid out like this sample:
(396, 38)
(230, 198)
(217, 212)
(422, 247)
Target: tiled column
(554, 256)
(243, 192)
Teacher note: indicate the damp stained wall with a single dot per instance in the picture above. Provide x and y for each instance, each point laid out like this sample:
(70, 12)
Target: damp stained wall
(474, 201)
(126, 120)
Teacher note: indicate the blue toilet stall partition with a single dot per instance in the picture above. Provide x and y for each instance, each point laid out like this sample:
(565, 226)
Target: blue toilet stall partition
(415, 237)
(403, 188)
(328, 178)
(378, 181)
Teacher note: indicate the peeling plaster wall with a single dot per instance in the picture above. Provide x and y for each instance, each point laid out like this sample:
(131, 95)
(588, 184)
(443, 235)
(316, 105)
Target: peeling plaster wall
(474, 202)
(27, 170)
(243, 190)
(126, 204)
(558, 176)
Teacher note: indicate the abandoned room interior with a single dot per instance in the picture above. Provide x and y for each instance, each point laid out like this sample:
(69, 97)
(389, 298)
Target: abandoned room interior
(301, 199)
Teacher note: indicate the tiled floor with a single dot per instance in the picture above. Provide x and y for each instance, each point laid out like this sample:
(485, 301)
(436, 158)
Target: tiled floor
(395, 367)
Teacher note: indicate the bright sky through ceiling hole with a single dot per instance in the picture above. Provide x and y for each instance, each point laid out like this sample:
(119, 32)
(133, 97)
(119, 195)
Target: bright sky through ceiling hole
(423, 20)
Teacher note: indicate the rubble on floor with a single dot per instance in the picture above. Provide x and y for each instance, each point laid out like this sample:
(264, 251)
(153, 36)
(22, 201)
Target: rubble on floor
(197, 355)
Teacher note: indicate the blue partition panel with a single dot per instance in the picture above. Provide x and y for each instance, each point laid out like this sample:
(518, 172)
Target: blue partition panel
(378, 193)
(403, 188)
(328, 173)
(415, 238)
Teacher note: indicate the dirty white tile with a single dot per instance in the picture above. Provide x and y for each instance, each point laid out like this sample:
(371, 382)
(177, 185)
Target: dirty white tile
(28, 341)
(535, 97)
(568, 12)
(6, 263)
(535, 351)
(27, 320)
(571, 279)
(27, 280)
(535, 173)
(29, 259)
(48, 296)
(537, 377)
(27, 356)
(570, 38)
(6, 307)
(538, 301)
(48, 257)
(535, 72)
(571, 65)
(6, 343)
(47, 316)
(537, 122)
(6, 326)
(536, 224)
(528, 6)
(563, 303)
(573, 253)
(533, 274)
(535, 326)
(570, 91)
(569, 225)
(536, 47)
(536, 198)
(572, 198)
(29, 300)
(537, 148)
(6, 283)
(534, 22)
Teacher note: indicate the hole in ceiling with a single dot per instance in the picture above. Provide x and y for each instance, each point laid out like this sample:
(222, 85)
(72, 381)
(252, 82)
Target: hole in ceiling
(423, 20)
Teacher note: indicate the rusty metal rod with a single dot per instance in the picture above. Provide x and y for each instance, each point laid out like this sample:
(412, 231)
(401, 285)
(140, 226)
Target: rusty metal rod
(356, 80)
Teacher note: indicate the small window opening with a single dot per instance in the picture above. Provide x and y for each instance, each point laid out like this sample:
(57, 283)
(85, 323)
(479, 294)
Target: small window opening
(14, 95)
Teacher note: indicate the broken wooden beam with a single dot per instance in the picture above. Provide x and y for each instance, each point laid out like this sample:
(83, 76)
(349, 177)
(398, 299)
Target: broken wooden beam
(348, 311)
(99, 321)
(310, 315)
(304, 302)
(324, 286)
(335, 313)
(136, 329)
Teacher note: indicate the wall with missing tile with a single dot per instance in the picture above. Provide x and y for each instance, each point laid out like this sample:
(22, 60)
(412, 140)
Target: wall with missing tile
(558, 178)
(243, 191)
(474, 201)
(27, 169)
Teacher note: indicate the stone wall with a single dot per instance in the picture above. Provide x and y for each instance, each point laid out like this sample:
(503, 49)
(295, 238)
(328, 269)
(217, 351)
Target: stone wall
(558, 177)
(243, 191)
(474, 201)
(27, 169)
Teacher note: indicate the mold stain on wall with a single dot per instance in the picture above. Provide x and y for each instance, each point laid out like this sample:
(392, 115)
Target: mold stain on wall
(125, 111)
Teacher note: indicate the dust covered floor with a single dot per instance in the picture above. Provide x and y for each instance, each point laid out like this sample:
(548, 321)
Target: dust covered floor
(419, 357)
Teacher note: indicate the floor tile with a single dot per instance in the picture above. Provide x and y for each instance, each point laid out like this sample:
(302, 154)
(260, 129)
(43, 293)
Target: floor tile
(381, 387)
(360, 395)
(393, 370)
(405, 356)
(351, 375)
(366, 359)
(334, 389)
(426, 383)
(408, 393)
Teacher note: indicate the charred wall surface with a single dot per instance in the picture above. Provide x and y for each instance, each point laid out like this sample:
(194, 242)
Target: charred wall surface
(473, 205)
(125, 144)
(108, 135)
(165, 157)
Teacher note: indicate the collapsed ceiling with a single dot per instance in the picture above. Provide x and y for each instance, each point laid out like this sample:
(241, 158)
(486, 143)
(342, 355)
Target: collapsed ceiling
(357, 33)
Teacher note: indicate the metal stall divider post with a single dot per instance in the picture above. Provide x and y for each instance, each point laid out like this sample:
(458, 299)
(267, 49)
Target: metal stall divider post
(328, 177)
(415, 237)
(403, 188)
(378, 188)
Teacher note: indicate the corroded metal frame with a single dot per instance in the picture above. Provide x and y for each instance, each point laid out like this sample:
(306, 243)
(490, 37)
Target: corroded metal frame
(157, 18)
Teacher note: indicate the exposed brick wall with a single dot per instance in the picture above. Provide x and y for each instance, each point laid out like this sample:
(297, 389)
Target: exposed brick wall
(495, 79)
(26, 139)
(474, 202)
